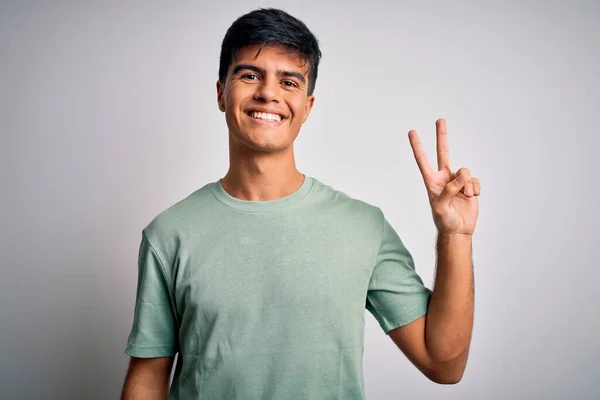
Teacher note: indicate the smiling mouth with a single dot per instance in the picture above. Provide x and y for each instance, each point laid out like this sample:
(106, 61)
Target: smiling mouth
(267, 117)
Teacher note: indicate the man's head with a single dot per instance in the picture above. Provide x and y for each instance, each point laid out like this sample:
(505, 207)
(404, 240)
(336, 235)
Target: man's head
(269, 63)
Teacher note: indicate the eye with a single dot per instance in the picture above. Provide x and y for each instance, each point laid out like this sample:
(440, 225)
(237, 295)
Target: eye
(289, 83)
(250, 77)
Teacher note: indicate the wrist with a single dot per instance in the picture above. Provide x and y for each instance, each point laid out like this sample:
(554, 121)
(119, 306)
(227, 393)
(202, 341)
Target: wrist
(462, 237)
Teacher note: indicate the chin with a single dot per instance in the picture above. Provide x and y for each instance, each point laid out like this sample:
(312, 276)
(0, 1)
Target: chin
(262, 144)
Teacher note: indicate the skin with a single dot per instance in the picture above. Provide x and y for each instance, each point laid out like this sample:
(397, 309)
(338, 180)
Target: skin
(147, 379)
(262, 167)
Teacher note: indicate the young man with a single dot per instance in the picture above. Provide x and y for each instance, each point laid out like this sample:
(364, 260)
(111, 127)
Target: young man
(260, 280)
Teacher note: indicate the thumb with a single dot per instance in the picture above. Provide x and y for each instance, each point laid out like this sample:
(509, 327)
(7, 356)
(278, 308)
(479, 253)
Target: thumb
(452, 188)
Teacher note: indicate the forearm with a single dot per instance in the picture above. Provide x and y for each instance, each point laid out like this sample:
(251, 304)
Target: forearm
(450, 315)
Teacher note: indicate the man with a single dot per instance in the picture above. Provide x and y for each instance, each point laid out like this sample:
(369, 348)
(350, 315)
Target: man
(259, 281)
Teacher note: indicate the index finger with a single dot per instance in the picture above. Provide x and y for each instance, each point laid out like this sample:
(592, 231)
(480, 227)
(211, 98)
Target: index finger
(419, 152)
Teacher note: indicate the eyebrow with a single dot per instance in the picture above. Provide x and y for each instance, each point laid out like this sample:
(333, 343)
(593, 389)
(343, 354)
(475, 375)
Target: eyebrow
(261, 71)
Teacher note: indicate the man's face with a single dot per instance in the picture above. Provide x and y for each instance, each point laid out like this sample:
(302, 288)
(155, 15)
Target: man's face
(265, 98)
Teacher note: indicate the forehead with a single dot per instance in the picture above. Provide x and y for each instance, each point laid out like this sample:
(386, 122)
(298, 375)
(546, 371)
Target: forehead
(273, 56)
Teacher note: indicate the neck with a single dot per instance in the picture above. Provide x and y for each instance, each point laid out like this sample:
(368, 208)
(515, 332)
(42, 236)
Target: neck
(255, 176)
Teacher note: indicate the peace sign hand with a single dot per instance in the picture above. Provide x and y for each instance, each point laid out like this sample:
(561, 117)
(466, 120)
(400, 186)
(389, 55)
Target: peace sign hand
(453, 196)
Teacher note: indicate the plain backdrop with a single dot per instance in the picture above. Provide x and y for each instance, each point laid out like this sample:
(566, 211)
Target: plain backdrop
(108, 115)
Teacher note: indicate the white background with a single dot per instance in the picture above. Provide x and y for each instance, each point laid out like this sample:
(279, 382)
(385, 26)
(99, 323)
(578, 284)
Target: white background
(108, 115)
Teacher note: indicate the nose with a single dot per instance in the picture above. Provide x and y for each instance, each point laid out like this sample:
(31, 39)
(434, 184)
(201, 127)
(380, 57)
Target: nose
(267, 91)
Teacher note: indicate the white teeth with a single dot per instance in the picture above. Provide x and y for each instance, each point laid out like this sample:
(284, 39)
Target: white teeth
(265, 116)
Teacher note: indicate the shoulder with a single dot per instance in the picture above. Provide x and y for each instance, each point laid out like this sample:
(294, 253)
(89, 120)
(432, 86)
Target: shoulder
(169, 225)
(339, 202)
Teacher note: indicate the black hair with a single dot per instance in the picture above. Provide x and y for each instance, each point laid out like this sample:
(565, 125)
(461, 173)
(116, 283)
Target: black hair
(271, 26)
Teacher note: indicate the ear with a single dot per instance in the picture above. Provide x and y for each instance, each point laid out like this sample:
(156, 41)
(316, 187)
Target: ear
(308, 107)
(220, 100)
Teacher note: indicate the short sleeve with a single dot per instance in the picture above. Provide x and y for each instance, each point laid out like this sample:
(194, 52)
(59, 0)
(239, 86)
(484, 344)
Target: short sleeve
(153, 333)
(396, 295)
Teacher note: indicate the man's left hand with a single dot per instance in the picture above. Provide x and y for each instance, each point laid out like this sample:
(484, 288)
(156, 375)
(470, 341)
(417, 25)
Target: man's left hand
(453, 196)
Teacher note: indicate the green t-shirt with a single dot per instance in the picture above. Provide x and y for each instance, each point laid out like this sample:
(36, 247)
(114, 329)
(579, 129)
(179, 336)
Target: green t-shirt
(266, 299)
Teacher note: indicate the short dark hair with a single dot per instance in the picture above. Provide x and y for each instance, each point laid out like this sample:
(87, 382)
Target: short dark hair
(271, 26)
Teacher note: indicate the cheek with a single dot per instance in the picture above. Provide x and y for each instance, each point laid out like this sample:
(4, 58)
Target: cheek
(231, 109)
(233, 96)
(298, 107)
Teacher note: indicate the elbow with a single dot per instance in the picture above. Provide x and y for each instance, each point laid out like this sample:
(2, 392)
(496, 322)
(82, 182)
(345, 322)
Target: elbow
(448, 373)
(446, 378)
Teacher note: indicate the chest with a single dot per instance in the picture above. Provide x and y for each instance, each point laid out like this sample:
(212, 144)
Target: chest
(268, 274)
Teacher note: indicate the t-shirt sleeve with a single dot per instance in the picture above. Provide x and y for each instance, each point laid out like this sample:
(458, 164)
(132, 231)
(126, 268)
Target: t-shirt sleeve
(153, 333)
(396, 295)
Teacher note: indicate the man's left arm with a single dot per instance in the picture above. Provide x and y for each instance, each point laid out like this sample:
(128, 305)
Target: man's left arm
(438, 343)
